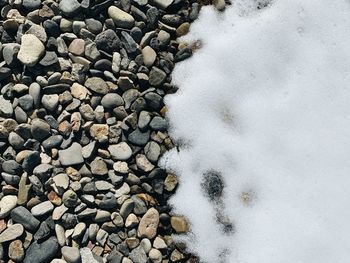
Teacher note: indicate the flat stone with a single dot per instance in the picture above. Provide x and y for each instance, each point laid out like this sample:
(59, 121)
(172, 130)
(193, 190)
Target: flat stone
(120, 151)
(149, 224)
(7, 203)
(77, 47)
(31, 50)
(120, 18)
(101, 237)
(126, 208)
(139, 138)
(22, 216)
(11, 233)
(42, 209)
(58, 212)
(71, 254)
(152, 151)
(72, 155)
(103, 185)
(97, 85)
(99, 167)
(38, 31)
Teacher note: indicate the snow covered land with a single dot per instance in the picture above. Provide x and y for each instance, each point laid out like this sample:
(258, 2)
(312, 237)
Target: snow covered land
(262, 119)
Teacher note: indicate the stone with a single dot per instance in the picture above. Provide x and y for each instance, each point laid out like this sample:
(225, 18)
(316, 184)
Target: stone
(89, 150)
(72, 155)
(180, 224)
(12, 232)
(117, 219)
(71, 254)
(12, 167)
(149, 56)
(121, 18)
(40, 129)
(143, 164)
(42, 209)
(42, 252)
(31, 50)
(139, 138)
(158, 124)
(138, 255)
(170, 182)
(99, 167)
(155, 255)
(131, 221)
(69, 7)
(101, 237)
(156, 77)
(159, 243)
(97, 85)
(162, 4)
(38, 31)
(103, 185)
(126, 208)
(77, 47)
(7, 203)
(70, 198)
(58, 212)
(22, 216)
(149, 224)
(79, 91)
(146, 245)
(120, 151)
(121, 167)
(16, 251)
(112, 100)
(128, 43)
(6, 109)
(108, 41)
(79, 230)
(87, 256)
(152, 151)
(10, 52)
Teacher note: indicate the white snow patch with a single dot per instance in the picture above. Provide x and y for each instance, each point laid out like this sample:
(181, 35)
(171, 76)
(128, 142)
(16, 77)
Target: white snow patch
(266, 103)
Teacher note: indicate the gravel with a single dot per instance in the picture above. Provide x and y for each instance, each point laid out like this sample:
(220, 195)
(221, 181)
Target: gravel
(82, 128)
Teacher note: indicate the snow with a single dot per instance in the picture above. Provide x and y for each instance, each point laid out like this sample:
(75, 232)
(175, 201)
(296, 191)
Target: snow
(266, 104)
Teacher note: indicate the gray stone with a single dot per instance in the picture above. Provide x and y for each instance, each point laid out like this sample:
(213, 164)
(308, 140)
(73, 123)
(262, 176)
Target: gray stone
(10, 52)
(38, 31)
(42, 252)
(162, 4)
(72, 155)
(71, 254)
(69, 7)
(128, 42)
(97, 85)
(108, 41)
(120, 151)
(26, 102)
(50, 101)
(139, 138)
(126, 208)
(12, 167)
(112, 100)
(70, 198)
(22, 216)
(156, 77)
(40, 129)
(138, 255)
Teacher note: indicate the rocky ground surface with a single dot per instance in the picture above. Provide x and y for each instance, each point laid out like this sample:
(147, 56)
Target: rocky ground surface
(82, 126)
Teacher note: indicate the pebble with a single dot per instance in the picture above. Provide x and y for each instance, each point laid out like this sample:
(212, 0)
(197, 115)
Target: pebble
(156, 77)
(149, 56)
(126, 208)
(152, 151)
(162, 4)
(143, 163)
(71, 254)
(180, 224)
(22, 216)
(11, 233)
(31, 50)
(108, 41)
(112, 100)
(120, 151)
(16, 251)
(121, 18)
(69, 7)
(6, 109)
(7, 203)
(97, 85)
(42, 209)
(149, 224)
(70, 198)
(155, 255)
(138, 255)
(72, 155)
(42, 252)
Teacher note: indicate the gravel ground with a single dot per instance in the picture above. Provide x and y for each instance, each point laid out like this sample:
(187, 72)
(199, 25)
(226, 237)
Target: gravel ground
(82, 126)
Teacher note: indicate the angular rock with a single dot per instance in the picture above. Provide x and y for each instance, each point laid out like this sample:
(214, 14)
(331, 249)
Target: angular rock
(72, 155)
(120, 151)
